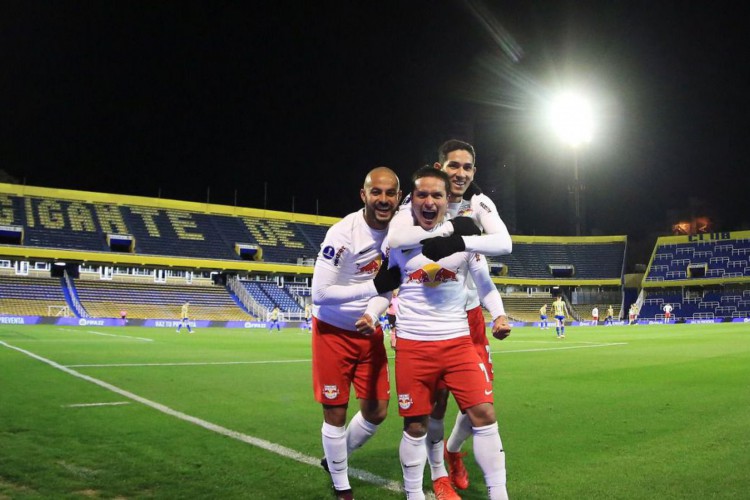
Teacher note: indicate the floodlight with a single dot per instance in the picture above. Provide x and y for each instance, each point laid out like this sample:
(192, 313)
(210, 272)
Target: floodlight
(572, 119)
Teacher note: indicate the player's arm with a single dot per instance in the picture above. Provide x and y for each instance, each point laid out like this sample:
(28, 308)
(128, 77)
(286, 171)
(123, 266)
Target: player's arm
(489, 296)
(403, 234)
(368, 322)
(496, 239)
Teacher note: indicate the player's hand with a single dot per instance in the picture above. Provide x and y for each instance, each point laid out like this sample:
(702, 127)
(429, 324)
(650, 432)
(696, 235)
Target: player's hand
(365, 325)
(464, 226)
(393, 338)
(442, 246)
(387, 279)
(500, 328)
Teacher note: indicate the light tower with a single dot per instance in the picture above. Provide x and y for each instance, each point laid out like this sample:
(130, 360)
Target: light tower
(571, 118)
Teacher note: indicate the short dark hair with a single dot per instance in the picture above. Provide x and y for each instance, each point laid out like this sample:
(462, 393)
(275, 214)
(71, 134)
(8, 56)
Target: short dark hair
(455, 145)
(429, 171)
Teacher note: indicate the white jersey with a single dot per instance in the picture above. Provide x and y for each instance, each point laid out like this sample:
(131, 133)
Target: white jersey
(349, 255)
(432, 296)
(595, 312)
(667, 308)
(402, 233)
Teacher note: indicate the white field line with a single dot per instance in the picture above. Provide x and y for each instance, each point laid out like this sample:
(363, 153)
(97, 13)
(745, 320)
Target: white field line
(106, 334)
(87, 405)
(192, 363)
(260, 443)
(587, 345)
(562, 348)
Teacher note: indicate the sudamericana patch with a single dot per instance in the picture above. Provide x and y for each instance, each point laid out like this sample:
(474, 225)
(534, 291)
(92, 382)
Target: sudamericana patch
(405, 401)
(330, 391)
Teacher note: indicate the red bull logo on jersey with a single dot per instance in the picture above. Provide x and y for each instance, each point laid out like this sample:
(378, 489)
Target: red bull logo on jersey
(369, 268)
(405, 401)
(431, 274)
(331, 391)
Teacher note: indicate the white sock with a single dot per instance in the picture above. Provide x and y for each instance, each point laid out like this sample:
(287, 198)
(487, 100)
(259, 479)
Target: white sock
(460, 433)
(334, 448)
(358, 432)
(489, 454)
(435, 445)
(413, 456)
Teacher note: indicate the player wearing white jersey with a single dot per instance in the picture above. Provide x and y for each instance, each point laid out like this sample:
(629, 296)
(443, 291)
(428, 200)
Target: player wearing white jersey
(471, 212)
(347, 342)
(435, 347)
(667, 312)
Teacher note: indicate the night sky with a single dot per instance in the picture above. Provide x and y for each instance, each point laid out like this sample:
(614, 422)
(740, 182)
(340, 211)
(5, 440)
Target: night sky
(300, 99)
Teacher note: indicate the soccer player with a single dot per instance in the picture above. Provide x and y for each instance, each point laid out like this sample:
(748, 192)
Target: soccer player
(633, 314)
(667, 312)
(274, 320)
(185, 314)
(560, 310)
(610, 316)
(347, 342)
(307, 325)
(595, 316)
(434, 346)
(471, 211)
(543, 318)
(124, 317)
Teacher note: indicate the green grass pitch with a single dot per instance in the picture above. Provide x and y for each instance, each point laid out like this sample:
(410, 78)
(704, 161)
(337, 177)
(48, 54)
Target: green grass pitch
(633, 412)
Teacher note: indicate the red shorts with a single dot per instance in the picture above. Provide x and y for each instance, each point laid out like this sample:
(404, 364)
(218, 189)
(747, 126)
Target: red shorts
(478, 332)
(667, 315)
(421, 365)
(341, 358)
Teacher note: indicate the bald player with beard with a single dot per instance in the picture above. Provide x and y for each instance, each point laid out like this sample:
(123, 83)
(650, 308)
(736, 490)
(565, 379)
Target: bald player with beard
(347, 341)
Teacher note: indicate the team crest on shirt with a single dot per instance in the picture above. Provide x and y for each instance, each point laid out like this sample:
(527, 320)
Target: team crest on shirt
(431, 275)
(331, 391)
(405, 401)
(369, 268)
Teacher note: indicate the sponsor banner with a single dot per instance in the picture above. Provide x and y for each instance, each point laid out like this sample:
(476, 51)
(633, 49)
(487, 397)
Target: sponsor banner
(87, 322)
(174, 323)
(19, 320)
(740, 320)
(704, 321)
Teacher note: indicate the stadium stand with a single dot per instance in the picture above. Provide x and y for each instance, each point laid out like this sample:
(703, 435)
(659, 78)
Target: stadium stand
(149, 300)
(31, 296)
(703, 277)
(159, 238)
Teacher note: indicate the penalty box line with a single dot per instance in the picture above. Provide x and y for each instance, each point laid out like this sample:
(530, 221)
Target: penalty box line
(278, 449)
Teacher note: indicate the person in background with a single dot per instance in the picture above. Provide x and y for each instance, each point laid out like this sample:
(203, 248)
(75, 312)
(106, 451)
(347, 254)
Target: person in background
(124, 317)
(560, 310)
(307, 324)
(610, 316)
(667, 312)
(543, 318)
(185, 315)
(595, 316)
(274, 319)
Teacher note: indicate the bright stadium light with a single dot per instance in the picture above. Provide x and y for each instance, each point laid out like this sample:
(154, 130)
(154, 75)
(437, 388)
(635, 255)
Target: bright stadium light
(572, 119)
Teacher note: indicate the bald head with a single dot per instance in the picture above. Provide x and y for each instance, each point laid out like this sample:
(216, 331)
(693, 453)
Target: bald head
(381, 195)
(381, 173)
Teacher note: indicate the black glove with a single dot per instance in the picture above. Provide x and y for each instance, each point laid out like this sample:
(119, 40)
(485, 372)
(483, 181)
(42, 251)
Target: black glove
(442, 246)
(464, 226)
(387, 279)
